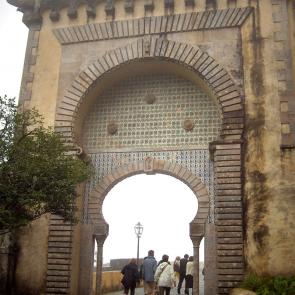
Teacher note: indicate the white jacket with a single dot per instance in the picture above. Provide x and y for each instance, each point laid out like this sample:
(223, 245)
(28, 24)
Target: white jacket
(164, 275)
(190, 268)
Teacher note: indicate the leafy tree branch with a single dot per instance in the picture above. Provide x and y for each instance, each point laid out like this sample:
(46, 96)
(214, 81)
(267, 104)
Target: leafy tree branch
(37, 174)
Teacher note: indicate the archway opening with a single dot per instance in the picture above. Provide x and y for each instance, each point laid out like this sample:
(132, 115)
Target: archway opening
(164, 205)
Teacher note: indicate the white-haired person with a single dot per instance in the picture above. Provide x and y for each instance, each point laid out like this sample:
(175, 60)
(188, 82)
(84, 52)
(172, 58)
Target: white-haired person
(164, 276)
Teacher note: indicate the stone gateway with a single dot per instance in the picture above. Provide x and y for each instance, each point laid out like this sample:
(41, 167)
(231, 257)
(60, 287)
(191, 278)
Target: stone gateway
(201, 90)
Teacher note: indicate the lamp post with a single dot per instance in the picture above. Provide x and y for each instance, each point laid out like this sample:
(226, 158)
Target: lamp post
(138, 228)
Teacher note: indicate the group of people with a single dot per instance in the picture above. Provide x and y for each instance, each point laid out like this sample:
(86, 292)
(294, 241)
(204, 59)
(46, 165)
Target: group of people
(183, 270)
(158, 277)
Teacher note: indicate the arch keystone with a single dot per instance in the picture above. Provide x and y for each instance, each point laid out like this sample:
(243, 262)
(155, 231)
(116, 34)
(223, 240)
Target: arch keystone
(149, 165)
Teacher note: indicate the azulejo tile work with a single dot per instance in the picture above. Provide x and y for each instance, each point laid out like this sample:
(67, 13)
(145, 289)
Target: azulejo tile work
(145, 126)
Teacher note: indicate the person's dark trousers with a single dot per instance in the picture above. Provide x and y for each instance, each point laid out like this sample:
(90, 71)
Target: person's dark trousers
(132, 290)
(181, 279)
(165, 290)
(189, 281)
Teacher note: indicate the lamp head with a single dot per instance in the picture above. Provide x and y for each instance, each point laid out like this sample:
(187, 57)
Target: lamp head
(138, 228)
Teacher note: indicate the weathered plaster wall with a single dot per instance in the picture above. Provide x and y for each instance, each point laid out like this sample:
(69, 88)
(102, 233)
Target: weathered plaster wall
(269, 203)
(32, 260)
(30, 276)
(287, 191)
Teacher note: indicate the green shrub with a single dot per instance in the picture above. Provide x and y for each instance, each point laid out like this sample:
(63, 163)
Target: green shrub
(270, 286)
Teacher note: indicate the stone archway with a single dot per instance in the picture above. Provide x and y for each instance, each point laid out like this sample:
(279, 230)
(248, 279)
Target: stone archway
(226, 152)
(148, 166)
(216, 78)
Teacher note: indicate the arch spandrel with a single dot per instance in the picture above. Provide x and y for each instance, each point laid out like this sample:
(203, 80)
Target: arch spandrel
(99, 192)
(213, 75)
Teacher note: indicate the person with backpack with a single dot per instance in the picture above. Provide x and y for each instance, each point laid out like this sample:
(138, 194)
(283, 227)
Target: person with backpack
(164, 276)
(130, 277)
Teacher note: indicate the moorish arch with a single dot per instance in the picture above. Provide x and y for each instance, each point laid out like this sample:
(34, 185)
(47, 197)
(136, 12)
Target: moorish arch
(148, 166)
(206, 70)
(149, 56)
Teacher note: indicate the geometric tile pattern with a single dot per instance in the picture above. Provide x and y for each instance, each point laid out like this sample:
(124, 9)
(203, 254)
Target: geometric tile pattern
(142, 125)
(196, 161)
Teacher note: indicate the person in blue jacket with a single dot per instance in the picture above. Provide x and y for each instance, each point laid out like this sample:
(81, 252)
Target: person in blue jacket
(149, 267)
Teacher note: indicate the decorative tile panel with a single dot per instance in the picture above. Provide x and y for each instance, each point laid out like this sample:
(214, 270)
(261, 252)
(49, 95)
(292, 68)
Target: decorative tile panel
(150, 126)
(196, 161)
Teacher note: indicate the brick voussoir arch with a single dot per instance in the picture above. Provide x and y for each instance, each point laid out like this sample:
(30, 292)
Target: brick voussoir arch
(190, 56)
(98, 194)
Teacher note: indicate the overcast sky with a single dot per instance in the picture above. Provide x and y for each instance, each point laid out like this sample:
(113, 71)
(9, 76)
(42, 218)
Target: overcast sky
(163, 204)
(12, 49)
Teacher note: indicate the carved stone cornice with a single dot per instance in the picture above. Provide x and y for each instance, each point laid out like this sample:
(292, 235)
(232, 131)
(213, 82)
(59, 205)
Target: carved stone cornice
(33, 10)
(187, 22)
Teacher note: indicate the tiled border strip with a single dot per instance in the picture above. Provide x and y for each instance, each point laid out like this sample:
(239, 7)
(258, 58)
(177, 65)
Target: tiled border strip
(195, 21)
(154, 166)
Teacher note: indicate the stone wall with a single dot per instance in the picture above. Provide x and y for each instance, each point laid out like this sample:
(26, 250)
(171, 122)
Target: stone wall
(111, 282)
(255, 46)
(268, 250)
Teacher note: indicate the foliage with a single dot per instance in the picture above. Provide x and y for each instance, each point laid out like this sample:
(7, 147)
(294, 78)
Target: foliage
(269, 285)
(37, 175)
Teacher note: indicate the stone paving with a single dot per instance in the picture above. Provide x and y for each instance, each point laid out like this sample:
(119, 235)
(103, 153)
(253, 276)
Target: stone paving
(139, 291)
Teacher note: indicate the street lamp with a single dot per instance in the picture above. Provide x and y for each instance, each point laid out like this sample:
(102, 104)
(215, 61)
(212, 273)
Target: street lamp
(138, 228)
